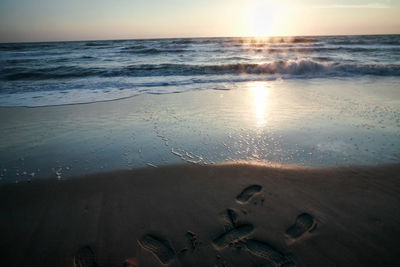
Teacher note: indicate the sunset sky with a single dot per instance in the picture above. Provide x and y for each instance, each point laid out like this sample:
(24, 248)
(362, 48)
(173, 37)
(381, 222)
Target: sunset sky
(53, 20)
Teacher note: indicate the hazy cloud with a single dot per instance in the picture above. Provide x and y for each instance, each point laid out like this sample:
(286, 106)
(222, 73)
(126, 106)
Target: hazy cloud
(369, 6)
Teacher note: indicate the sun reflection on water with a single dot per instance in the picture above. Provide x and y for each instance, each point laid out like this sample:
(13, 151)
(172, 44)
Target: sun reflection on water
(260, 93)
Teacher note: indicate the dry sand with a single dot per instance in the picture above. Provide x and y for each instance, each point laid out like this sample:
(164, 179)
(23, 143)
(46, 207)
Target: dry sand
(226, 215)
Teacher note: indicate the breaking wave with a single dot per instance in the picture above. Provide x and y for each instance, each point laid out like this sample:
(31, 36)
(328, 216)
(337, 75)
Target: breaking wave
(304, 67)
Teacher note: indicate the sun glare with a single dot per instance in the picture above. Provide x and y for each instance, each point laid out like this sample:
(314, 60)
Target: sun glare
(267, 18)
(260, 94)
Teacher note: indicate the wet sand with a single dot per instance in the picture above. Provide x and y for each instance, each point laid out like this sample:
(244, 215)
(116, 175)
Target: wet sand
(216, 215)
(305, 122)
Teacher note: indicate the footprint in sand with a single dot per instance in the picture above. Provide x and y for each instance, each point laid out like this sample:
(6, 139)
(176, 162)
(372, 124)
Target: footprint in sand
(230, 219)
(247, 193)
(304, 222)
(85, 257)
(235, 234)
(232, 216)
(264, 250)
(159, 247)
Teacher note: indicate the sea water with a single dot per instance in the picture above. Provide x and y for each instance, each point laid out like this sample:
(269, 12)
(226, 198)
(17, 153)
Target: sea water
(55, 73)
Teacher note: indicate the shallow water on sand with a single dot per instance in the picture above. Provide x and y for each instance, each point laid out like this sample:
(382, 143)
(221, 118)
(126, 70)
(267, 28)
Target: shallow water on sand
(315, 122)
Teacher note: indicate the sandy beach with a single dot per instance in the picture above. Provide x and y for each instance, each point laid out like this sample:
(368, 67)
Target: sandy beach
(199, 133)
(216, 215)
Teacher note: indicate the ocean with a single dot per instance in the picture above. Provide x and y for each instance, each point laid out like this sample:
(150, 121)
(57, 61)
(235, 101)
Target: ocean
(74, 108)
(57, 73)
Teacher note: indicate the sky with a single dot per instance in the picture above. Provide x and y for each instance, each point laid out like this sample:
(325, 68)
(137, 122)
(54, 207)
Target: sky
(67, 20)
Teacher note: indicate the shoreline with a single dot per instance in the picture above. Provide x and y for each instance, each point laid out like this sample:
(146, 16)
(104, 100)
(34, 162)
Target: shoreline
(190, 215)
(27, 179)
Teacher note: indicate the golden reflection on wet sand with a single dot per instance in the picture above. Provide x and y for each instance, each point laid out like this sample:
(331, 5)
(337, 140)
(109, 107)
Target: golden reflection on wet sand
(260, 94)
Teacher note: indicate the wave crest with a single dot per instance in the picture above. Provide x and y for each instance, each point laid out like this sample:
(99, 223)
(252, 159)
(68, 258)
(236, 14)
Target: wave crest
(292, 68)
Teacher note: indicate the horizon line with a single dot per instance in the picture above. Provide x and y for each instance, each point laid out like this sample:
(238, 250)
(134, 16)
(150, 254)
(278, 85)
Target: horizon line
(197, 37)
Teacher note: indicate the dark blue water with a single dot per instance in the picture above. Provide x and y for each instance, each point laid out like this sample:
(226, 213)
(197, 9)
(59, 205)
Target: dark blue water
(40, 74)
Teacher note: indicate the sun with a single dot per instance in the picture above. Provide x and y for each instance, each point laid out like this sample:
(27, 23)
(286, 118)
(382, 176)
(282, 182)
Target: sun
(267, 18)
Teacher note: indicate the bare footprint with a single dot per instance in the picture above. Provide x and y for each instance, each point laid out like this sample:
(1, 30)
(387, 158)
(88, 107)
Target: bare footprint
(267, 252)
(304, 222)
(159, 247)
(85, 257)
(247, 193)
(233, 235)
